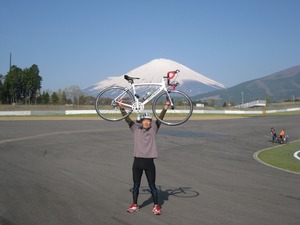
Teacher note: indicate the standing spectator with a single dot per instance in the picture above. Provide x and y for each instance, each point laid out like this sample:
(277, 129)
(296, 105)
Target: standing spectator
(273, 133)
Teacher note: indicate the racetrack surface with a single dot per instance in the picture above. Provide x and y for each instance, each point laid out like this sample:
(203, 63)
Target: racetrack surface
(79, 173)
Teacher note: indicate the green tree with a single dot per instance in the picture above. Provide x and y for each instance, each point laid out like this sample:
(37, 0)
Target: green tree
(21, 86)
(212, 102)
(31, 83)
(13, 85)
(69, 101)
(54, 98)
(180, 103)
(1, 88)
(63, 98)
(45, 98)
(87, 100)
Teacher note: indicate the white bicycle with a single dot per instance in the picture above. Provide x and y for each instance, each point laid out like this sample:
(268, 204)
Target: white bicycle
(180, 110)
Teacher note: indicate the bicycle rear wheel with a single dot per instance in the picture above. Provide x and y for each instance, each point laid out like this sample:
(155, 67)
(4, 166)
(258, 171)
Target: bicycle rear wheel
(179, 114)
(107, 103)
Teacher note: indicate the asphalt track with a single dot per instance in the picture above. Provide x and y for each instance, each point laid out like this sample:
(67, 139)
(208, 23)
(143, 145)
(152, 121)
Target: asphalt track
(79, 173)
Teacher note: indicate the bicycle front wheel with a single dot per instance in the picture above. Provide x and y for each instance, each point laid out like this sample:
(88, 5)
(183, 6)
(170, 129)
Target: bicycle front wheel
(179, 113)
(108, 100)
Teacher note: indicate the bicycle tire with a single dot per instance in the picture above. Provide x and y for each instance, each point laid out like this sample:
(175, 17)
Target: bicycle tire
(108, 109)
(177, 115)
(183, 192)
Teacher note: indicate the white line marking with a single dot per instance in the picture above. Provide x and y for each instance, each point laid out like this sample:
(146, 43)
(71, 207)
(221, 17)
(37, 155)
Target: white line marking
(296, 155)
(53, 133)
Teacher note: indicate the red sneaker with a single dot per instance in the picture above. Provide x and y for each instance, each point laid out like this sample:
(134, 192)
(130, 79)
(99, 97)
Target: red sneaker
(156, 210)
(133, 208)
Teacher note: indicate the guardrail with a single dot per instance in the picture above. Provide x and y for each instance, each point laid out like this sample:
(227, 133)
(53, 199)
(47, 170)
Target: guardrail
(196, 111)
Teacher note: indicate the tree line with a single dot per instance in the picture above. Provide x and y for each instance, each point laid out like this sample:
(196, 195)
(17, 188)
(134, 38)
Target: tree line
(23, 86)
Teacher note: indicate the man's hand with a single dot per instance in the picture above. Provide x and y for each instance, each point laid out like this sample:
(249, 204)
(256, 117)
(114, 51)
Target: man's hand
(121, 106)
(167, 104)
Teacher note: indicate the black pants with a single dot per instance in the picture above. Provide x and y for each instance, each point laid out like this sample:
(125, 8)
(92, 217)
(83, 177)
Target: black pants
(147, 165)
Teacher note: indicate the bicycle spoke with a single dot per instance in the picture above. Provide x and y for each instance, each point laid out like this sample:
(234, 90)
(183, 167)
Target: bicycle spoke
(178, 113)
(107, 103)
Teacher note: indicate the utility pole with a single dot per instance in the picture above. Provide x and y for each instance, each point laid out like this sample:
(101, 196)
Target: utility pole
(9, 61)
(242, 97)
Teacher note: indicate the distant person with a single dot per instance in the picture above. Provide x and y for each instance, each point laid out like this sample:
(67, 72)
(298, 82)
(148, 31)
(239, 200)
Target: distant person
(273, 133)
(282, 135)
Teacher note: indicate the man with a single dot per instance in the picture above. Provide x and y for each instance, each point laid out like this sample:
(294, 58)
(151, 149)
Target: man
(274, 135)
(145, 152)
(282, 135)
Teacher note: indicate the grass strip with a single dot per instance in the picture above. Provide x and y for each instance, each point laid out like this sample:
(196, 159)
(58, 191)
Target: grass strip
(282, 156)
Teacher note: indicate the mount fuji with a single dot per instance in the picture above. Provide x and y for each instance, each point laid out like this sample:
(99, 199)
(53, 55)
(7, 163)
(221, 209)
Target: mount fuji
(191, 82)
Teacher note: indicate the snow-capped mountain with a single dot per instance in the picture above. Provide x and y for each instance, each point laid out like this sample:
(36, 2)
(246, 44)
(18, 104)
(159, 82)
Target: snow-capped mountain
(191, 82)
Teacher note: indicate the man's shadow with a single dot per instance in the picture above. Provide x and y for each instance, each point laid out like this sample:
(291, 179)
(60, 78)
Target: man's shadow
(165, 193)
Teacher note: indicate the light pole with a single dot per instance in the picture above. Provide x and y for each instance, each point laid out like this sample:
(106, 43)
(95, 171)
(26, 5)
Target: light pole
(242, 97)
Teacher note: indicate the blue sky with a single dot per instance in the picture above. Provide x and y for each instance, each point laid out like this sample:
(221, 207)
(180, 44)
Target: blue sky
(81, 42)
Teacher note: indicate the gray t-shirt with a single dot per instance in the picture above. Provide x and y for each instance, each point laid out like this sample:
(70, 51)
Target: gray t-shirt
(144, 141)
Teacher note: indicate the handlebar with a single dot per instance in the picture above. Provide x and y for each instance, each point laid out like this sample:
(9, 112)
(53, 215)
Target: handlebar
(172, 74)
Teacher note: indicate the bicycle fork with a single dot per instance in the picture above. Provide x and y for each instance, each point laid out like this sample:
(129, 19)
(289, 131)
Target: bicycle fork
(169, 99)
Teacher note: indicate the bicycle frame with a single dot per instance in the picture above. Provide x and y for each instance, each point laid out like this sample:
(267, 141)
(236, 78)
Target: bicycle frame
(138, 106)
(116, 103)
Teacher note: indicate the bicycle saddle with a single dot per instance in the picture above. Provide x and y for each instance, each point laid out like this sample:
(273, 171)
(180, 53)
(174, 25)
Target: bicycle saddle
(130, 79)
